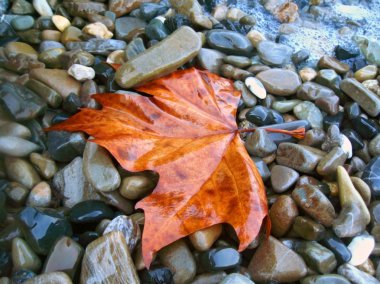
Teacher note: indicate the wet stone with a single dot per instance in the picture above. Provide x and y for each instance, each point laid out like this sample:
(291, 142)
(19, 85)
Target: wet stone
(356, 141)
(329, 163)
(314, 203)
(127, 27)
(355, 275)
(282, 215)
(219, 259)
(361, 247)
(308, 111)
(267, 264)
(327, 62)
(322, 279)
(229, 42)
(52, 277)
(50, 96)
(134, 48)
(274, 54)
(317, 256)
(22, 23)
(156, 30)
(23, 257)
(283, 178)
(337, 246)
(21, 171)
(97, 46)
(22, 276)
(90, 211)
(259, 144)
(330, 79)
(262, 168)
(210, 59)
(371, 175)
(236, 278)
(156, 275)
(40, 195)
(280, 82)
(285, 105)
(42, 229)
(64, 146)
(308, 229)
(16, 147)
(260, 116)
(366, 128)
(374, 146)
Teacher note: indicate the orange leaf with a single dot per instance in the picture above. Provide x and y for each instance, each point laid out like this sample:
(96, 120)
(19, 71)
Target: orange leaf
(187, 133)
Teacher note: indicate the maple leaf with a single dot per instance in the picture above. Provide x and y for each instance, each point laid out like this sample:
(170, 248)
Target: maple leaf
(187, 132)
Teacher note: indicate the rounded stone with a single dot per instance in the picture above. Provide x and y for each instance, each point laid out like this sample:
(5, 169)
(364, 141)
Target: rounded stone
(280, 82)
(282, 215)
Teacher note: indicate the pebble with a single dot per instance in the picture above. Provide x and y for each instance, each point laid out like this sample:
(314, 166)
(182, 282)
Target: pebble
(71, 34)
(65, 256)
(279, 82)
(219, 259)
(129, 228)
(23, 257)
(361, 247)
(267, 263)
(285, 105)
(322, 279)
(60, 22)
(366, 73)
(355, 275)
(98, 30)
(274, 54)
(282, 215)
(127, 27)
(16, 147)
(22, 23)
(314, 203)
(363, 189)
(259, 144)
(256, 87)
(40, 195)
(96, 46)
(374, 146)
(21, 171)
(364, 97)
(210, 59)
(298, 157)
(203, 240)
(317, 257)
(14, 129)
(90, 211)
(81, 73)
(261, 115)
(327, 62)
(283, 178)
(72, 185)
(136, 71)
(236, 278)
(308, 111)
(229, 42)
(179, 259)
(42, 7)
(307, 74)
(308, 229)
(64, 146)
(107, 259)
(329, 163)
(354, 215)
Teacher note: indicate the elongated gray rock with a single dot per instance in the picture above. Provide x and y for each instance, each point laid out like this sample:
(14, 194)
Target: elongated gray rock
(360, 94)
(16, 147)
(161, 59)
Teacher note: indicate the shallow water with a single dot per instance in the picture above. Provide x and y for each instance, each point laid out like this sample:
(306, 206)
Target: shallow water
(320, 32)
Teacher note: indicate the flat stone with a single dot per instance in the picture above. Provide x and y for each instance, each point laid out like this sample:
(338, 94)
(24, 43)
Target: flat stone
(21, 171)
(274, 54)
(22, 23)
(308, 111)
(361, 247)
(108, 260)
(364, 97)
(259, 144)
(42, 7)
(314, 203)
(202, 240)
(71, 183)
(366, 73)
(283, 178)
(127, 27)
(280, 82)
(57, 79)
(184, 45)
(329, 163)
(282, 215)
(256, 87)
(299, 157)
(285, 105)
(273, 261)
(229, 42)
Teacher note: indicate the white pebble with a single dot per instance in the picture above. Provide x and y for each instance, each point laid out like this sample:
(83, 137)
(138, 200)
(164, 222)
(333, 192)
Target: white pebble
(42, 7)
(40, 196)
(346, 146)
(256, 87)
(81, 72)
(361, 247)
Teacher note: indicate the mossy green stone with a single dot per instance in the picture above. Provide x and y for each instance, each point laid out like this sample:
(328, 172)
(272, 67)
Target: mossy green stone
(32, 36)
(90, 211)
(49, 95)
(161, 59)
(41, 229)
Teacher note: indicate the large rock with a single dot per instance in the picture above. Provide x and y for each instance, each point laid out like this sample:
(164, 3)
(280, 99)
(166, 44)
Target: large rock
(280, 82)
(161, 59)
(273, 261)
(108, 260)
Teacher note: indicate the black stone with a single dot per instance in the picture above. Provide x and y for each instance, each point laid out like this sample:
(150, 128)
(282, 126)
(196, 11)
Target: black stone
(346, 51)
(38, 134)
(64, 146)
(21, 276)
(260, 116)
(22, 103)
(156, 30)
(176, 21)
(158, 275)
(352, 110)
(229, 42)
(59, 117)
(41, 229)
(235, 26)
(340, 250)
(7, 234)
(366, 128)
(87, 237)
(219, 259)
(90, 211)
(336, 119)
(5, 263)
(371, 175)
(355, 139)
(300, 56)
(72, 103)
(112, 86)
(102, 72)
(3, 212)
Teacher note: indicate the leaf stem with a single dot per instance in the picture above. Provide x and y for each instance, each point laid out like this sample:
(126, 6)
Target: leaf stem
(298, 133)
